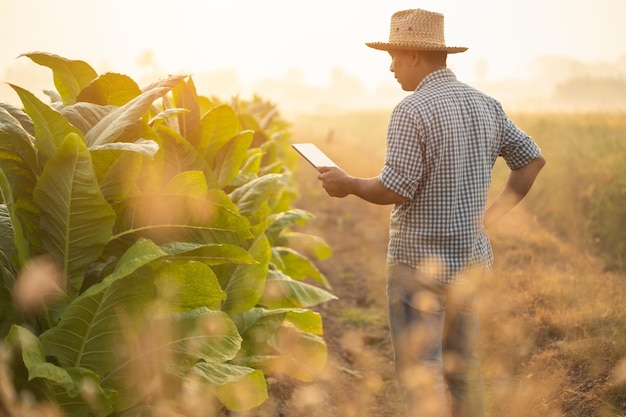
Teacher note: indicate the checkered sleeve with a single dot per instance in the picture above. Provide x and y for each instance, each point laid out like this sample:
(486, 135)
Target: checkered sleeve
(403, 161)
(518, 149)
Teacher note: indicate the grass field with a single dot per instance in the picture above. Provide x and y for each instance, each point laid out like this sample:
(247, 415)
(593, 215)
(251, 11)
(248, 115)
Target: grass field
(553, 319)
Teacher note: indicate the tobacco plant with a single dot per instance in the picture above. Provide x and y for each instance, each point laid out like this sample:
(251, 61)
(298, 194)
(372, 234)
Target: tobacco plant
(153, 230)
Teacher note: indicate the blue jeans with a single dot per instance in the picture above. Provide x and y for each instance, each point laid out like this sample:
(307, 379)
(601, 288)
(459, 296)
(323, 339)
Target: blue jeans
(434, 332)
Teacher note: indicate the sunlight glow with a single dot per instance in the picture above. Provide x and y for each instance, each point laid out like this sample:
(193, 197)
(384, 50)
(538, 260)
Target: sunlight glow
(252, 42)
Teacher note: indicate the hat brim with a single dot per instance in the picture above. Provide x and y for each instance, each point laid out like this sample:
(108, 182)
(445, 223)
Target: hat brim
(386, 46)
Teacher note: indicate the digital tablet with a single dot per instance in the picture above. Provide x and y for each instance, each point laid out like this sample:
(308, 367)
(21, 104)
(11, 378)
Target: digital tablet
(314, 155)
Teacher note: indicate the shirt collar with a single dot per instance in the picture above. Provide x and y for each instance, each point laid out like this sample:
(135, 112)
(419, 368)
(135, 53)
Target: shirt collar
(438, 75)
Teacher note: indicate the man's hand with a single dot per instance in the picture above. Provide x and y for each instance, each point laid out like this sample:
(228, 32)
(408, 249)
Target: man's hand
(339, 184)
(517, 186)
(335, 181)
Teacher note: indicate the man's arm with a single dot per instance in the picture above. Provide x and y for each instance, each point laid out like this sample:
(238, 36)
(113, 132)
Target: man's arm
(517, 186)
(339, 184)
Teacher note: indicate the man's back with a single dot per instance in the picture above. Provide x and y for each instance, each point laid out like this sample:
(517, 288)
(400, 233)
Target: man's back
(442, 142)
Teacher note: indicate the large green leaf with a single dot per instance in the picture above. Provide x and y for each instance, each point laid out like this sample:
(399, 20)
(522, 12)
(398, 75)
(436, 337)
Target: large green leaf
(34, 358)
(289, 351)
(285, 220)
(66, 385)
(239, 388)
(307, 321)
(22, 118)
(179, 155)
(298, 354)
(308, 243)
(51, 127)
(144, 251)
(211, 336)
(209, 254)
(218, 126)
(246, 284)
(173, 216)
(111, 127)
(138, 255)
(84, 115)
(70, 76)
(187, 285)
(303, 319)
(8, 250)
(250, 169)
(189, 183)
(231, 157)
(251, 197)
(298, 266)
(258, 327)
(165, 344)
(185, 97)
(110, 88)
(21, 224)
(9, 313)
(141, 146)
(283, 292)
(19, 166)
(14, 241)
(98, 330)
(165, 115)
(76, 221)
(94, 327)
(16, 131)
(90, 399)
(279, 341)
(117, 172)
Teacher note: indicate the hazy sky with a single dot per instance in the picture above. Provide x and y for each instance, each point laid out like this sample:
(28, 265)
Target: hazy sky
(266, 38)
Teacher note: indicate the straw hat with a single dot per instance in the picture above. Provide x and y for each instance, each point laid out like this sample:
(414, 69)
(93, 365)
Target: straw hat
(416, 30)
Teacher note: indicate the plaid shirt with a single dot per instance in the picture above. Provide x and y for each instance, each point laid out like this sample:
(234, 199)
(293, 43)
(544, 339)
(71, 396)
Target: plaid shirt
(442, 143)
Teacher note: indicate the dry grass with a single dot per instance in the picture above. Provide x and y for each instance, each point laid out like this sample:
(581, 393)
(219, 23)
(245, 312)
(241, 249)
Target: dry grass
(553, 321)
(553, 327)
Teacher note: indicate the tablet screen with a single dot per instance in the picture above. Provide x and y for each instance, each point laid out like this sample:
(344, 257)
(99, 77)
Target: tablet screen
(313, 155)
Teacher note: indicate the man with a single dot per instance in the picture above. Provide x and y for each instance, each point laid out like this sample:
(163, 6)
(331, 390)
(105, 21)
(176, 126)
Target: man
(442, 142)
